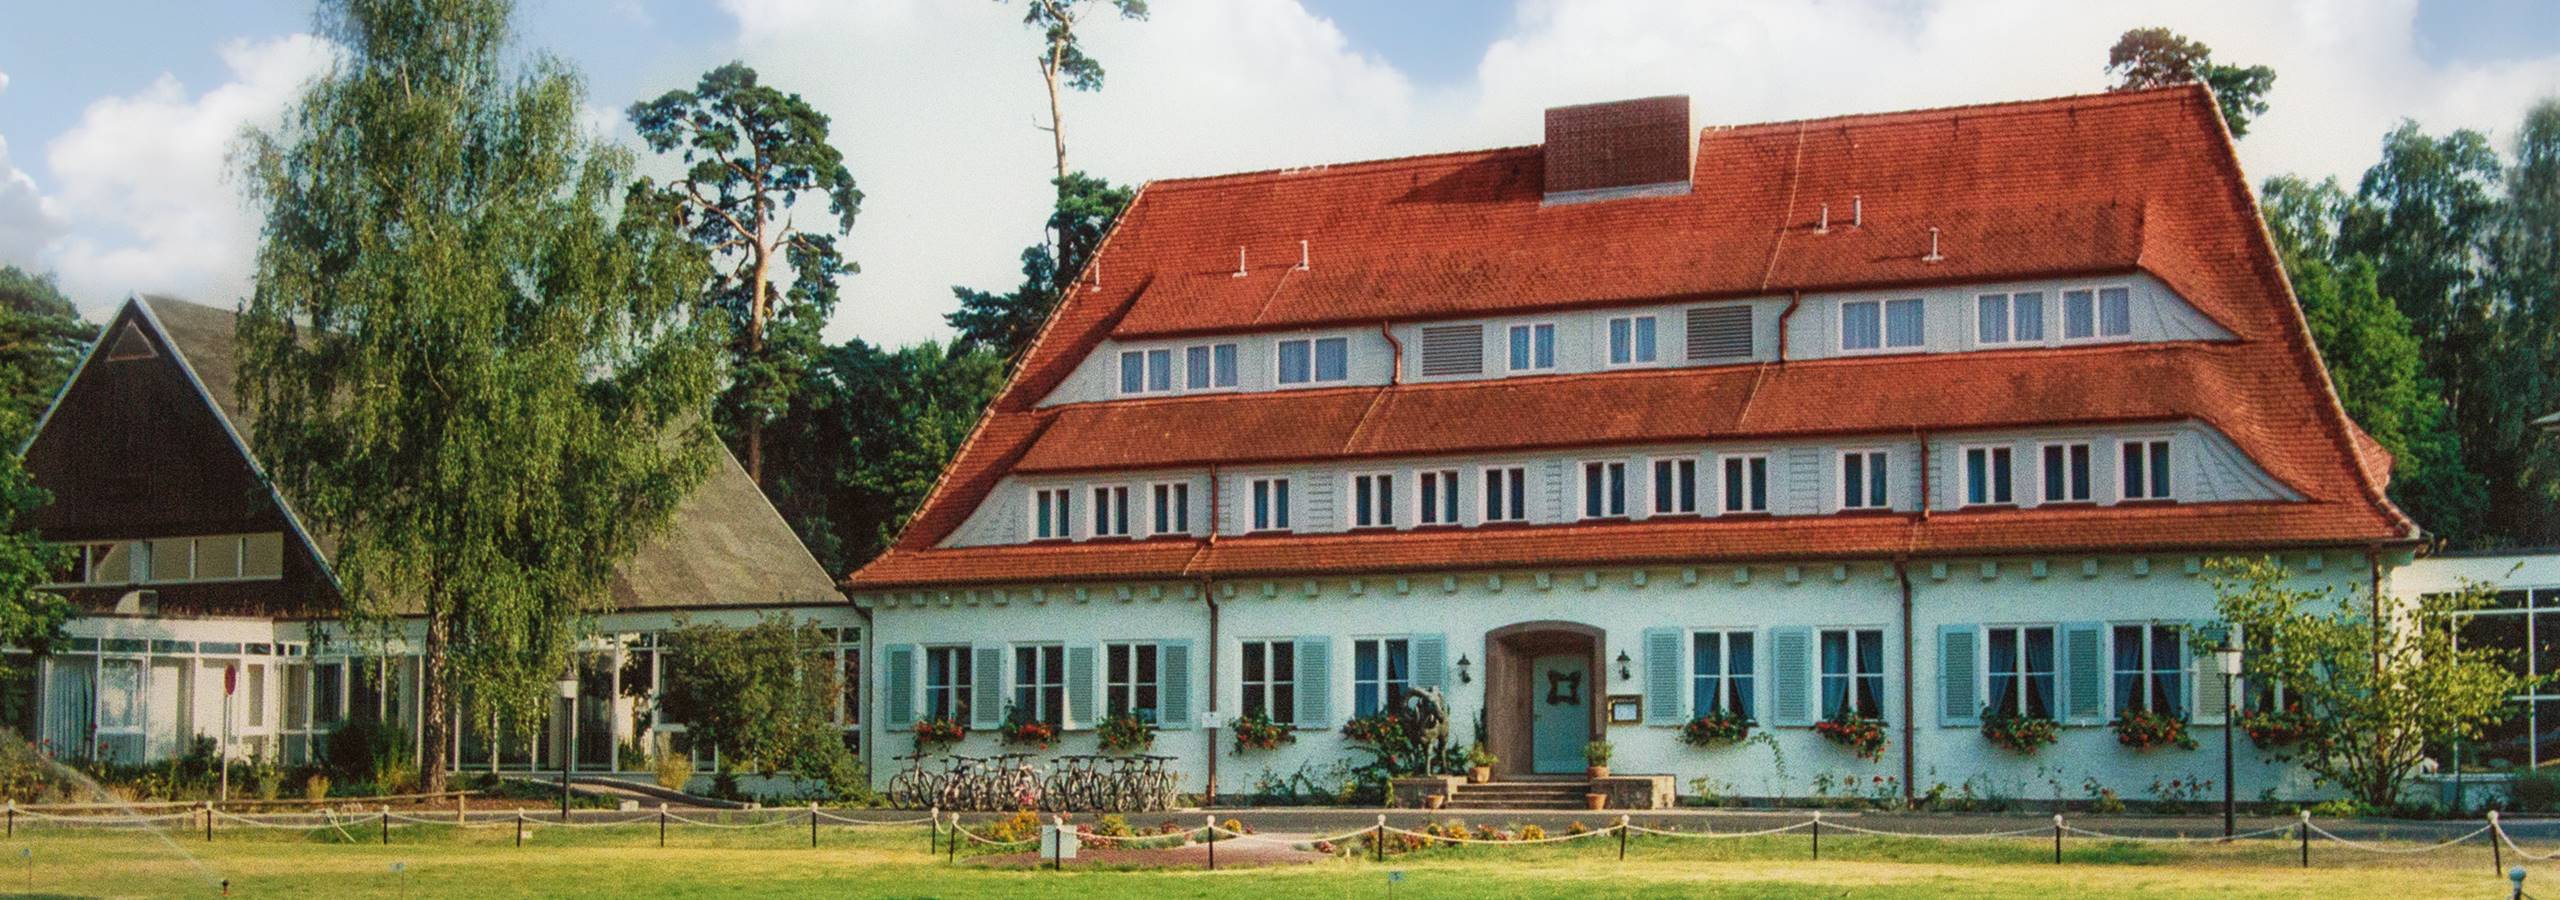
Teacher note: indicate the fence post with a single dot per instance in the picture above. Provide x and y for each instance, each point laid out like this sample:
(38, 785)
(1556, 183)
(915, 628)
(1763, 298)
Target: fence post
(1381, 841)
(208, 821)
(1817, 834)
(2497, 854)
(662, 824)
(2306, 839)
(519, 826)
(813, 824)
(1622, 837)
(933, 831)
(386, 823)
(1058, 844)
(953, 845)
(2057, 839)
(1213, 841)
(13, 819)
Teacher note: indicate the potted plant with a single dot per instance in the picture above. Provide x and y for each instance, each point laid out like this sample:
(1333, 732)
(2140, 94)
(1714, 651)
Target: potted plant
(1434, 801)
(1596, 755)
(1480, 763)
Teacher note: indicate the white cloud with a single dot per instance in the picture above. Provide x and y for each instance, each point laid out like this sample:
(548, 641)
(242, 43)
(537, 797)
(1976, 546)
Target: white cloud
(27, 225)
(146, 179)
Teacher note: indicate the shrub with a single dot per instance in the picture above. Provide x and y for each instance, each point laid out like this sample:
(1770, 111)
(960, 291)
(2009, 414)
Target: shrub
(1531, 832)
(362, 749)
(672, 770)
(1597, 753)
(2536, 791)
(315, 787)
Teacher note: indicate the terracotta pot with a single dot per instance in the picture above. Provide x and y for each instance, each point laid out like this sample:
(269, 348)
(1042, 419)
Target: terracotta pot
(1434, 801)
(1598, 772)
(1480, 774)
(1596, 801)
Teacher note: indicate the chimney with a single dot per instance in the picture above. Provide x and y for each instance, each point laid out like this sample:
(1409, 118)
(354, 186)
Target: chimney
(1624, 148)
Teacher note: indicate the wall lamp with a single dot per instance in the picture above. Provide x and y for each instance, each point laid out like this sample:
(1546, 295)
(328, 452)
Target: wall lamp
(1464, 677)
(1626, 671)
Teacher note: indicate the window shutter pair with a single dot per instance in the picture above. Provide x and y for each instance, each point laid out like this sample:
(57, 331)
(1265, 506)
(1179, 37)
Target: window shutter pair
(1791, 676)
(1314, 683)
(1959, 675)
(898, 687)
(1662, 676)
(986, 687)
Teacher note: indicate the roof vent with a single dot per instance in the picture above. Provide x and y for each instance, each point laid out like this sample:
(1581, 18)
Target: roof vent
(130, 344)
(1625, 148)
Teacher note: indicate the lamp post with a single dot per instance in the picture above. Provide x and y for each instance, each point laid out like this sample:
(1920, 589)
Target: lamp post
(568, 695)
(2226, 658)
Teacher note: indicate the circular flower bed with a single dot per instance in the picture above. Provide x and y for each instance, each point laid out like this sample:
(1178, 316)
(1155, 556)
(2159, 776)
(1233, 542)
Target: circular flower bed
(1716, 729)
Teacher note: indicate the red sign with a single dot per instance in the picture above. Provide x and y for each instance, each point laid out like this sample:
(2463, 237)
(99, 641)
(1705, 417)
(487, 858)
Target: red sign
(230, 680)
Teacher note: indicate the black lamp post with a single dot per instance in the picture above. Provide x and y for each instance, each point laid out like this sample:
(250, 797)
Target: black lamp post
(2227, 659)
(568, 720)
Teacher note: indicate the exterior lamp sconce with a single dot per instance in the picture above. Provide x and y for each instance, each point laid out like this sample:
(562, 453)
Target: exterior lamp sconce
(1464, 677)
(2226, 659)
(1625, 667)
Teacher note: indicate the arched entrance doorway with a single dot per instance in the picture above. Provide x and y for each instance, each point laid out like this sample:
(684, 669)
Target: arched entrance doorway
(1544, 686)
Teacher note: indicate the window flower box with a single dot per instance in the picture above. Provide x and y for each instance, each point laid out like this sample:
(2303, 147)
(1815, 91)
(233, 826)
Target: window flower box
(1126, 733)
(1256, 731)
(1859, 734)
(1722, 728)
(2016, 733)
(939, 733)
(2145, 730)
(2270, 729)
(1029, 733)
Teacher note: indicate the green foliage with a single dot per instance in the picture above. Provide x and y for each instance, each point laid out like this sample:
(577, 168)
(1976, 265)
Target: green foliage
(2156, 57)
(2381, 690)
(2017, 732)
(1125, 733)
(865, 439)
(363, 750)
(751, 150)
(2535, 791)
(763, 696)
(469, 368)
(1006, 323)
(41, 339)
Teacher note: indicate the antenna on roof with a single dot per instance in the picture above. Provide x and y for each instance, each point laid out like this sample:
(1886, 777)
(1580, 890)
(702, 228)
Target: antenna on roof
(1097, 273)
(1857, 211)
(1302, 256)
(1933, 256)
(1824, 227)
(1239, 262)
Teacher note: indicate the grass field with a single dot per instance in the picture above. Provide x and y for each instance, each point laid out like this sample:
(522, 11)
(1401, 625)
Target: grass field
(431, 861)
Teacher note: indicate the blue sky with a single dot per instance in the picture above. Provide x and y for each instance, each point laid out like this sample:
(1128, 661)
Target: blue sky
(114, 114)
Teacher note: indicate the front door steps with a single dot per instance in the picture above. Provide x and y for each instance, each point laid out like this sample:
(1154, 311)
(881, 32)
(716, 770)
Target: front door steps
(1539, 794)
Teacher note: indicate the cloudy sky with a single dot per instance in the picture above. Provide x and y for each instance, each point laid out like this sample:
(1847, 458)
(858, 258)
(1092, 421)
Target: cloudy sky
(116, 115)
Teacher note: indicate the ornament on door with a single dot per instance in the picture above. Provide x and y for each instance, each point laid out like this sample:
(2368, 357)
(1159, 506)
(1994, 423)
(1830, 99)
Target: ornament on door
(1564, 688)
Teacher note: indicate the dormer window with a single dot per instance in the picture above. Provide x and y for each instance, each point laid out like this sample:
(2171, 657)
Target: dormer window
(1317, 361)
(1270, 504)
(2016, 318)
(1049, 514)
(2090, 314)
(1989, 476)
(1862, 480)
(2146, 470)
(1867, 325)
(1533, 347)
(1146, 371)
(1207, 366)
(1111, 511)
(1631, 340)
(1604, 489)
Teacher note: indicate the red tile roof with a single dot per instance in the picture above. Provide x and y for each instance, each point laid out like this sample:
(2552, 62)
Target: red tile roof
(2113, 183)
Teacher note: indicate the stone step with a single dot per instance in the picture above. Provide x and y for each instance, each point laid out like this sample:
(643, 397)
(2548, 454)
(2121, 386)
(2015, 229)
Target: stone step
(1514, 805)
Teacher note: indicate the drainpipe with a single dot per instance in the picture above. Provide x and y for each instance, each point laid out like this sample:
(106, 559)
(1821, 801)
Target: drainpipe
(1209, 798)
(870, 658)
(1794, 299)
(1910, 724)
(1925, 492)
(1395, 375)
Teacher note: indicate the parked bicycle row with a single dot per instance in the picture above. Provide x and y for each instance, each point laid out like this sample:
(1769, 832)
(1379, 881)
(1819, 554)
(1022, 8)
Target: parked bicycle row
(1011, 781)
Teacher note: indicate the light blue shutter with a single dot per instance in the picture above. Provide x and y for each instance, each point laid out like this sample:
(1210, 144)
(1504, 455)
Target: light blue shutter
(1791, 676)
(2084, 668)
(986, 688)
(1662, 671)
(1430, 660)
(1173, 692)
(1959, 665)
(1315, 683)
(898, 687)
(1080, 687)
(2204, 679)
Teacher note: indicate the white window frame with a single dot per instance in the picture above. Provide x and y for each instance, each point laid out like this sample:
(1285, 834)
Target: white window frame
(2044, 450)
(2151, 446)
(2007, 319)
(1208, 380)
(1268, 682)
(1991, 454)
(1640, 353)
(1486, 503)
(1381, 509)
(1257, 497)
(1118, 683)
(2018, 633)
(1553, 352)
(2148, 673)
(2101, 310)
(1175, 497)
(1279, 349)
(1110, 520)
(1842, 336)
(958, 681)
(1725, 505)
(1385, 683)
(1872, 460)
(1749, 693)
(1039, 686)
(1676, 502)
(2097, 312)
(1452, 509)
(1883, 674)
(1591, 489)
(1064, 518)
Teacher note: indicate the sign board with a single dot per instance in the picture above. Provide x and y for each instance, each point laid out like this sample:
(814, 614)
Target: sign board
(230, 680)
(1058, 843)
(1209, 720)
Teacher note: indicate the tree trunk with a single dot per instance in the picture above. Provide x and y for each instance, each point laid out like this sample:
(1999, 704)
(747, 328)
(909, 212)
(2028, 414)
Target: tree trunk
(435, 708)
(756, 317)
(1057, 126)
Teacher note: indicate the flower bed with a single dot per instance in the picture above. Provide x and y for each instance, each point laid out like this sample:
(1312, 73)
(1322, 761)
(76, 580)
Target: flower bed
(2017, 733)
(2142, 729)
(1720, 728)
(1861, 735)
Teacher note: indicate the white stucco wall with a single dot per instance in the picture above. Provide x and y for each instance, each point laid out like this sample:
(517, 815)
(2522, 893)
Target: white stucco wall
(1464, 607)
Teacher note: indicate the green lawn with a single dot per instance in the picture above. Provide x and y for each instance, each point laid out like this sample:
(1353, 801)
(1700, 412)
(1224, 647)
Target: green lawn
(626, 863)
